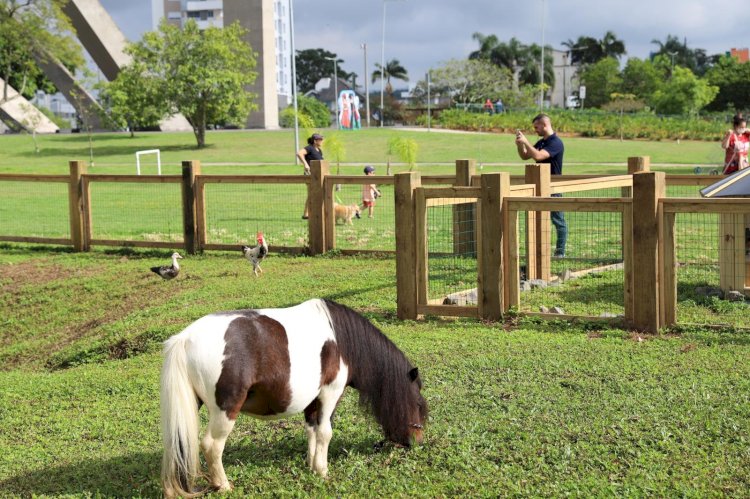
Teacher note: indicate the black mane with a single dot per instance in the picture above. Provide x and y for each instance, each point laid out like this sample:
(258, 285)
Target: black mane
(377, 369)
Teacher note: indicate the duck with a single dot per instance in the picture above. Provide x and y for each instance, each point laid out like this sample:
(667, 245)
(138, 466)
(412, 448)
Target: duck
(168, 272)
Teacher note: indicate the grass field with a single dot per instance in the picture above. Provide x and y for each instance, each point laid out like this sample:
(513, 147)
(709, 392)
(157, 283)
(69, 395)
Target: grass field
(521, 408)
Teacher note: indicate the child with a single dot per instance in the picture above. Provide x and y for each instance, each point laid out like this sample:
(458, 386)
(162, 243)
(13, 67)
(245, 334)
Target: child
(369, 192)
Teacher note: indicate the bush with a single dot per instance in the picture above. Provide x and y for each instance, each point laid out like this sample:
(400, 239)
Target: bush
(308, 106)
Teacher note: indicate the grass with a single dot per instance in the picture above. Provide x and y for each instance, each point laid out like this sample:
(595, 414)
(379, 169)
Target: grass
(273, 152)
(521, 408)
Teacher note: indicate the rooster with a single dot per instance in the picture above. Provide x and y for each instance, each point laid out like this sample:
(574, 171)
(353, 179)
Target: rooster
(168, 272)
(255, 254)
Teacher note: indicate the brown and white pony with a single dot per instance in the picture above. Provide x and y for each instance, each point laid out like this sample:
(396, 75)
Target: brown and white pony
(272, 363)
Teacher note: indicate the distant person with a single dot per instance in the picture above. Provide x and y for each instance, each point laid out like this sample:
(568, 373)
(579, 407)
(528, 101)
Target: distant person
(370, 193)
(499, 108)
(549, 149)
(736, 143)
(311, 152)
(488, 106)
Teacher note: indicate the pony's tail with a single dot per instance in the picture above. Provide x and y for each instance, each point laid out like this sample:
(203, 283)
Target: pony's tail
(179, 422)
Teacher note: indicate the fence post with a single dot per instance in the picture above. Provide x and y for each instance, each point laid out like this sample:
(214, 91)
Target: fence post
(406, 255)
(495, 186)
(636, 164)
(648, 188)
(463, 214)
(189, 170)
(539, 242)
(76, 206)
(317, 223)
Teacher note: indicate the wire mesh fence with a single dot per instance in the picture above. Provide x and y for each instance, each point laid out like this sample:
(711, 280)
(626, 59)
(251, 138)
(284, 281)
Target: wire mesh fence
(708, 269)
(235, 212)
(375, 227)
(136, 211)
(589, 279)
(34, 209)
(452, 271)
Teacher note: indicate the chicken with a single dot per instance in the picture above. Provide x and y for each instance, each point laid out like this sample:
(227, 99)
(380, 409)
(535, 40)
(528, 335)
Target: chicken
(168, 272)
(255, 254)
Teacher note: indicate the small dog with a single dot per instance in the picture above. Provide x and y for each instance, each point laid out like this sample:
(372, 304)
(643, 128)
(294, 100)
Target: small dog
(345, 213)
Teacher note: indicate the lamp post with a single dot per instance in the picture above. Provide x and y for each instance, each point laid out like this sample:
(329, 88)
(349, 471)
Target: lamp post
(541, 77)
(672, 54)
(335, 90)
(294, 80)
(382, 66)
(363, 46)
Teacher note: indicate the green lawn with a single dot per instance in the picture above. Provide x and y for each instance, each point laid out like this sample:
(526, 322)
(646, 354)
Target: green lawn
(273, 152)
(522, 408)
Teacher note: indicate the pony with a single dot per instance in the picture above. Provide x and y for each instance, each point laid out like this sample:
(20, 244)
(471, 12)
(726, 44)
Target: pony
(273, 363)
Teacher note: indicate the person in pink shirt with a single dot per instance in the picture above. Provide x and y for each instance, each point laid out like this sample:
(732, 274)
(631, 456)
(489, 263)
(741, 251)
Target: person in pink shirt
(736, 143)
(370, 192)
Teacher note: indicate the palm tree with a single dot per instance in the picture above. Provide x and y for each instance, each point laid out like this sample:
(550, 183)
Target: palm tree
(487, 46)
(393, 69)
(679, 54)
(589, 50)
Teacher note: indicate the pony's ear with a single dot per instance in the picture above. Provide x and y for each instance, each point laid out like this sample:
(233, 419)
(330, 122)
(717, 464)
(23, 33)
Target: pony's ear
(414, 374)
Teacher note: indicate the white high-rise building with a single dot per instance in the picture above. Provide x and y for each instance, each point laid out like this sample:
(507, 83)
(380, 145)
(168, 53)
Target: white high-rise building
(211, 13)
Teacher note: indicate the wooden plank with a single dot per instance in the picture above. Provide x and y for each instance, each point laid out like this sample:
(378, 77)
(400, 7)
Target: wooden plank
(669, 269)
(648, 188)
(29, 177)
(254, 179)
(420, 227)
(406, 256)
(124, 243)
(317, 221)
(448, 201)
(494, 186)
(610, 205)
(360, 179)
(76, 209)
(31, 239)
(711, 205)
(512, 277)
(135, 179)
(201, 221)
(330, 215)
(691, 180)
(726, 252)
(627, 258)
(452, 192)
(738, 277)
(448, 310)
(464, 239)
(590, 184)
(189, 233)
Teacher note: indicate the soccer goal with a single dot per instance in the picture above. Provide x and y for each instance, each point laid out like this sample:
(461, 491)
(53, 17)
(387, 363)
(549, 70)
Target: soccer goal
(149, 151)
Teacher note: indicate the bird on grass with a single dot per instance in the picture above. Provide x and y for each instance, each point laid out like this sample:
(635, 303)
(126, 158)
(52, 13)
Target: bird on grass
(255, 254)
(168, 272)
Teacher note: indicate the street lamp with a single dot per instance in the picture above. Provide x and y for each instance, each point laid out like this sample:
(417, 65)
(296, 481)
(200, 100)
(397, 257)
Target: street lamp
(672, 54)
(335, 90)
(363, 46)
(382, 66)
(294, 80)
(541, 89)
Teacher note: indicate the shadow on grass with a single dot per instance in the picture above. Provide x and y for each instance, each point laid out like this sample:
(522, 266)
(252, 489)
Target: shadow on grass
(138, 474)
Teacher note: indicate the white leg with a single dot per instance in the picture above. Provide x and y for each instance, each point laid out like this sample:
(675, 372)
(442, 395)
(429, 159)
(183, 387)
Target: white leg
(322, 439)
(310, 430)
(212, 445)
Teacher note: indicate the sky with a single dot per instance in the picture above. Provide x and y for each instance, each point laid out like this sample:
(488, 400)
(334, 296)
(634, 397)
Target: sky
(423, 34)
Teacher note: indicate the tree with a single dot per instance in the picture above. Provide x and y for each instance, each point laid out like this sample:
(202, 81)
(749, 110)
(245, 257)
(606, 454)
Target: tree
(680, 55)
(683, 93)
(641, 78)
(133, 99)
(589, 50)
(25, 27)
(523, 61)
(467, 81)
(200, 74)
(393, 69)
(602, 79)
(314, 64)
(733, 81)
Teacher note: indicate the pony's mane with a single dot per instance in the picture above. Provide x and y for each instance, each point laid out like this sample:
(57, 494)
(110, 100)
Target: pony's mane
(378, 369)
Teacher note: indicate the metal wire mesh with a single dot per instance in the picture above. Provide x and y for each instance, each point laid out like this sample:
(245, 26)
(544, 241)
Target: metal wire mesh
(376, 232)
(134, 211)
(236, 212)
(699, 251)
(452, 271)
(34, 209)
(589, 280)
